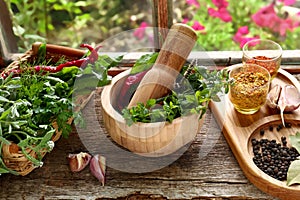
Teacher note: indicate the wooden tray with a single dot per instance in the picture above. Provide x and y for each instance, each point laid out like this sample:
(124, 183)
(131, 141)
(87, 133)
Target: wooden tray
(239, 129)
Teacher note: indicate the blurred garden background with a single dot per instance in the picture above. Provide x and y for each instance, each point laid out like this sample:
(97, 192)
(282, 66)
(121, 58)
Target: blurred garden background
(220, 24)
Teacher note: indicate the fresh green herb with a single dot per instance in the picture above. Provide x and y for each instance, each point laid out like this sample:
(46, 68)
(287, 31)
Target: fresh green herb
(95, 75)
(191, 96)
(295, 141)
(29, 105)
(144, 63)
(31, 102)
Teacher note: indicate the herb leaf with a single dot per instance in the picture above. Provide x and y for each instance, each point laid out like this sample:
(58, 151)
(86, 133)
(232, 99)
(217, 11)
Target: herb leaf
(33, 101)
(143, 63)
(293, 175)
(190, 97)
(295, 141)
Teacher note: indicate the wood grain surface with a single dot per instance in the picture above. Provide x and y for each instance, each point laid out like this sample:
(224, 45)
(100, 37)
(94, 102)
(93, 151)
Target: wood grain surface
(207, 170)
(239, 129)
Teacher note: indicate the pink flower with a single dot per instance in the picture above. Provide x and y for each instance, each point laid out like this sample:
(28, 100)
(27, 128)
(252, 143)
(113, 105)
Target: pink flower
(244, 30)
(241, 36)
(197, 26)
(220, 3)
(283, 26)
(240, 33)
(287, 2)
(221, 13)
(267, 17)
(246, 39)
(140, 31)
(243, 40)
(193, 3)
(185, 20)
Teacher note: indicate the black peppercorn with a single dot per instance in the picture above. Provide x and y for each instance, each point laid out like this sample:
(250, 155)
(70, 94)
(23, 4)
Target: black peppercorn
(288, 125)
(273, 158)
(262, 132)
(270, 128)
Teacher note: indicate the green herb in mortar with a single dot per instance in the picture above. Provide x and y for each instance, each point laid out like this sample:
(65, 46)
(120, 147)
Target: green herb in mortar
(190, 97)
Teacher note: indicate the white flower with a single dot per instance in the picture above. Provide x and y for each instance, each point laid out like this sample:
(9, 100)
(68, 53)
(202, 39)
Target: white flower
(50, 145)
(40, 164)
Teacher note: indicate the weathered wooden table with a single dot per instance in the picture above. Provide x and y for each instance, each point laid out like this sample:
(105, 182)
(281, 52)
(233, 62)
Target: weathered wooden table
(207, 170)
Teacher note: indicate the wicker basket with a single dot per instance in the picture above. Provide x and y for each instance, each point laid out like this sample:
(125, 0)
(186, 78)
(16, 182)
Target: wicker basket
(53, 53)
(12, 156)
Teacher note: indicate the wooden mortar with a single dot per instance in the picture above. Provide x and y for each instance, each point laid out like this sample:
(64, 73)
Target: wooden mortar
(172, 56)
(158, 138)
(154, 139)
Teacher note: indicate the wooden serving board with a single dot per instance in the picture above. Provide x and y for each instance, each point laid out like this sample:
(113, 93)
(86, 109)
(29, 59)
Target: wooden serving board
(239, 129)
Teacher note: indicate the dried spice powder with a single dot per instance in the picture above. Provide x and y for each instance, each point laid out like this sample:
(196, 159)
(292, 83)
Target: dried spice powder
(266, 62)
(249, 90)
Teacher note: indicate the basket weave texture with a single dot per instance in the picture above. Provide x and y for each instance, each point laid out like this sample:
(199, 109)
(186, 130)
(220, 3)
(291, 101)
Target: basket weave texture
(14, 158)
(12, 155)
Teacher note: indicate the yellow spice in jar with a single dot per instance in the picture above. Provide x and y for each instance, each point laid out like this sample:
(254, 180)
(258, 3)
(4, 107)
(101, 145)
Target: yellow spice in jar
(249, 90)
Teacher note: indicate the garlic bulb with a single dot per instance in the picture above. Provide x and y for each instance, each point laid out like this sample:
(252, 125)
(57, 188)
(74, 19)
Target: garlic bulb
(79, 161)
(98, 167)
(286, 99)
(273, 96)
(292, 98)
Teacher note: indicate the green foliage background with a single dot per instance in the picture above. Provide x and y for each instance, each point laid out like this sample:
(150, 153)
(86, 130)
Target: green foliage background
(72, 22)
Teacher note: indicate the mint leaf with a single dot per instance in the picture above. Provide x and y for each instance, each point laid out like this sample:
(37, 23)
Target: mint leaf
(143, 63)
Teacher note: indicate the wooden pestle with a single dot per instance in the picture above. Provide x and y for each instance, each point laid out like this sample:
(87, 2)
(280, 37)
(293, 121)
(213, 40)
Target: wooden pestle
(160, 78)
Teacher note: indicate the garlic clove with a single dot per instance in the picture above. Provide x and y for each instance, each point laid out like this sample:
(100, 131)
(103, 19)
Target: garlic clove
(273, 96)
(292, 98)
(286, 98)
(78, 162)
(282, 104)
(98, 167)
(289, 100)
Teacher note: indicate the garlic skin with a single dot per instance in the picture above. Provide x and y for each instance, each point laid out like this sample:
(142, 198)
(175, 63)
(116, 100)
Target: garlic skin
(285, 98)
(292, 98)
(77, 162)
(273, 96)
(98, 167)
(289, 100)
(282, 104)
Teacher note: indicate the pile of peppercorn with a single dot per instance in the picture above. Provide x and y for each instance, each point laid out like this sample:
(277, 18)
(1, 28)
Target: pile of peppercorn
(273, 158)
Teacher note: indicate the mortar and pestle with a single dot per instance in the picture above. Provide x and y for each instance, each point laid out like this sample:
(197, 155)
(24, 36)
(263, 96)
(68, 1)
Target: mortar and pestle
(158, 138)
